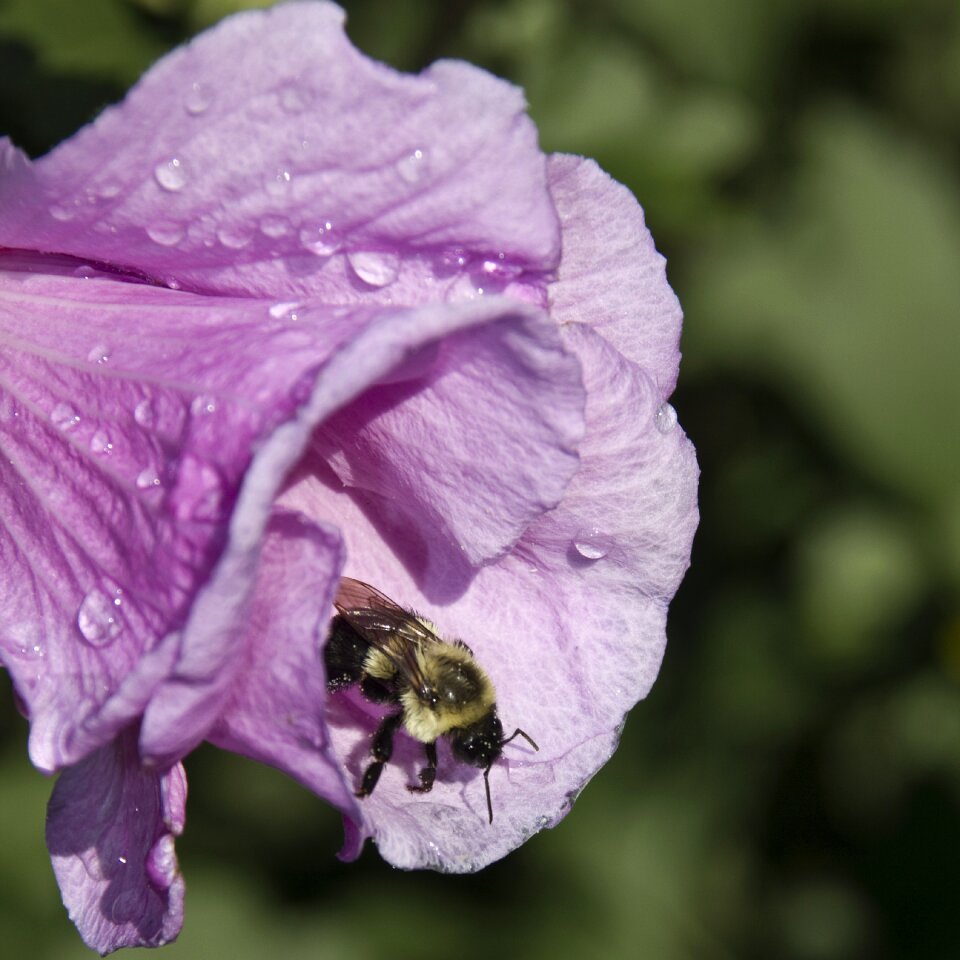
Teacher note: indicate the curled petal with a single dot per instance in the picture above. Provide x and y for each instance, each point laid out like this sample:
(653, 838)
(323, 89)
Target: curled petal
(458, 462)
(280, 160)
(110, 829)
(275, 713)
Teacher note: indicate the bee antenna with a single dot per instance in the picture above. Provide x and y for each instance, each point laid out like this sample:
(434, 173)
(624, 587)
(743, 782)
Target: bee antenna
(486, 783)
(519, 733)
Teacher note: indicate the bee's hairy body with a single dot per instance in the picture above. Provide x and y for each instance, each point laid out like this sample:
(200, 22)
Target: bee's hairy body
(438, 689)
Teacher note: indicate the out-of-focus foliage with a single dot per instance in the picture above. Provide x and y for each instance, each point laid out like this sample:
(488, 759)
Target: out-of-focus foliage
(791, 787)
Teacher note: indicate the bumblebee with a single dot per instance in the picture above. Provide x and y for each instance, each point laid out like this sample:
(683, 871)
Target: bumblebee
(436, 687)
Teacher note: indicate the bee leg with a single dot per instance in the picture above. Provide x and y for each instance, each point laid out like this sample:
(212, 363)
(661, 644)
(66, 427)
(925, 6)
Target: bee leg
(380, 750)
(376, 691)
(429, 773)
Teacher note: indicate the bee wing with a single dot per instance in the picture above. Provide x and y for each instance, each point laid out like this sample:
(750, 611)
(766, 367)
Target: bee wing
(395, 632)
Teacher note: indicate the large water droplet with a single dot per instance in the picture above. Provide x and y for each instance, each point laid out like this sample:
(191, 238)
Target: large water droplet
(99, 353)
(171, 174)
(377, 269)
(666, 418)
(100, 442)
(198, 98)
(320, 240)
(274, 226)
(413, 167)
(64, 417)
(280, 183)
(235, 236)
(165, 232)
(591, 543)
(144, 413)
(98, 618)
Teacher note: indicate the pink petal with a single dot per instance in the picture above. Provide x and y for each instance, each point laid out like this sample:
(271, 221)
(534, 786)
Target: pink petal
(242, 161)
(612, 277)
(275, 713)
(459, 462)
(110, 829)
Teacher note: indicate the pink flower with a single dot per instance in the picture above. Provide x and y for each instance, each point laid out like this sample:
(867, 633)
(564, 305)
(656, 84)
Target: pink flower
(285, 314)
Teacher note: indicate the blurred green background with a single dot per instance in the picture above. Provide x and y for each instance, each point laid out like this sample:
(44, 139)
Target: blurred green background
(790, 788)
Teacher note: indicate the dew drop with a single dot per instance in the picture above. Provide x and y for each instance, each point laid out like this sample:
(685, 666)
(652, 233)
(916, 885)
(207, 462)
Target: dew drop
(100, 443)
(99, 353)
(148, 478)
(64, 417)
(198, 99)
(280, 183)
(235, 236)
(85, 272)
(203, 404)
(144, 413)
(99, 619)
(320, 240)
(165, 232)
(413, 167)
(377, 269)
(170, 174)
(62, 213)
(274, 226)
(285, 311)
(591, 544)
(666, 418)
(8, 408)
(109, 190)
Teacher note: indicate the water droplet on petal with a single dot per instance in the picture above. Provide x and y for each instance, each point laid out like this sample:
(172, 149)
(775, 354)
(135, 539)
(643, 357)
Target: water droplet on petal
(320, 240)
(99, 353)
(170, 174)
(591, 544)
(377, 269)
(148, 478)
(280, 183)
(99, 619)
(666, 418)
(413, 167)
(203, 404)
(165, 232)
(64, 417)
(235, 236)
(62, 212)
(287, 311)
(198, 99)
(100, 442)
(144, 413)
(274, 226)
(109, 190)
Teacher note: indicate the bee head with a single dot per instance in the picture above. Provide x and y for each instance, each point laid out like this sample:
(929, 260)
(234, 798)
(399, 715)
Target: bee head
(481, 743)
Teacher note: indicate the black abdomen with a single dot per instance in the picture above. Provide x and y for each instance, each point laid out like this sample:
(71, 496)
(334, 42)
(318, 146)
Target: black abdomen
(344, 655)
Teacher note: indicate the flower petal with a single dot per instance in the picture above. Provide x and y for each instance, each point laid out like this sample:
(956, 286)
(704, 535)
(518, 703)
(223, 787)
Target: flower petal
(275, 713)
(572, 636)
(470, 452)
(110, 829)
(611, 276)
(257, 158)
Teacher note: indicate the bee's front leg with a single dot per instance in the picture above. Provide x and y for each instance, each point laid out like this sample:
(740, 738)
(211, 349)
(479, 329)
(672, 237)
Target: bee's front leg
(429, 773)
(380, 750)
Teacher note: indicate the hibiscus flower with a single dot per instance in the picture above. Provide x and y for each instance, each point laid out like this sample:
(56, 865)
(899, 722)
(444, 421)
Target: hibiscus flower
(285, 315)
